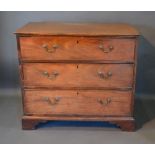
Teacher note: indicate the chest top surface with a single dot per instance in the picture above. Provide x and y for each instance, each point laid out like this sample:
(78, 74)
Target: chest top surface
(77, 29)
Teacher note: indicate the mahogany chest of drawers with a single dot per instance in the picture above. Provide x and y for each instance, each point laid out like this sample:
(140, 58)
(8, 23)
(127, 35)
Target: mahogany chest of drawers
(77, 72)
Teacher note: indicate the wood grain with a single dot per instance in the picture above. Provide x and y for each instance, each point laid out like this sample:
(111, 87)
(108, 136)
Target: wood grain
(77, 29)
(32, 122)
(77, 60)
(77, 102)
(78, 75)
(77, 48)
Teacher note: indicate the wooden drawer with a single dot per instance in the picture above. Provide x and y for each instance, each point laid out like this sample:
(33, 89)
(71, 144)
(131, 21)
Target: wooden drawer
(78, 75)
(76, 48)
(68, 102)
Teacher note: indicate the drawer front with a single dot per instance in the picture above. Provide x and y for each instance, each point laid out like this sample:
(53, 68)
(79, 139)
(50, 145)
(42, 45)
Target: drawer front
(78, 75)
(76, 48)
(68, 102)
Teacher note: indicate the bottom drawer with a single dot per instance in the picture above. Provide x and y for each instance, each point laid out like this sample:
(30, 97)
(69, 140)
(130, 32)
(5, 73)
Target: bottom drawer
(83, 102)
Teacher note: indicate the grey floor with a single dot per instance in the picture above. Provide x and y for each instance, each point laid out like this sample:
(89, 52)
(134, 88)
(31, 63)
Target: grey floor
(11, 132)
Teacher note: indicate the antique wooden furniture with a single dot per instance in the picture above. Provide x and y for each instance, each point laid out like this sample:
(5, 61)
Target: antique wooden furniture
(77, 71)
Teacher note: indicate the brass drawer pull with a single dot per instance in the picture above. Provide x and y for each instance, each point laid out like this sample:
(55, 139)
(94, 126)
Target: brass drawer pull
(52, 49)
(105, 75)
(104, 102)
(109, 49)
(51, 76)
(53, 101)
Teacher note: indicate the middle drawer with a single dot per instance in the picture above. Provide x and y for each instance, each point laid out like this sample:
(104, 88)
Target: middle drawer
(61, 75)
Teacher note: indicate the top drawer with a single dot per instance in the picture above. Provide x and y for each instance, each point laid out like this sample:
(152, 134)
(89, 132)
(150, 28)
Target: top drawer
(77, 48)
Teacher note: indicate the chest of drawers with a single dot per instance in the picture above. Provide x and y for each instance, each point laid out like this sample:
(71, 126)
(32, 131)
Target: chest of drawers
(77, 72)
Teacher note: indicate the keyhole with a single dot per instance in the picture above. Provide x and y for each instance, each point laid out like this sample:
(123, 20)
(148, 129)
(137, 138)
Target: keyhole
(77, 41)
(77, 66)
(77, 93)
